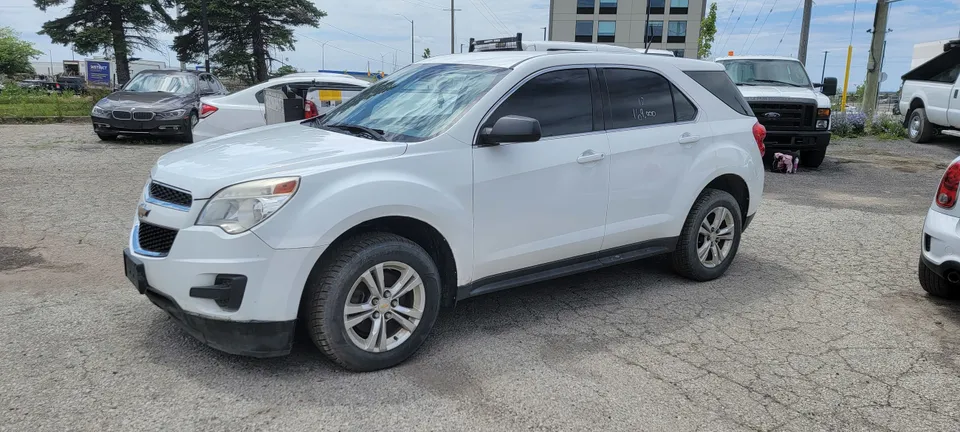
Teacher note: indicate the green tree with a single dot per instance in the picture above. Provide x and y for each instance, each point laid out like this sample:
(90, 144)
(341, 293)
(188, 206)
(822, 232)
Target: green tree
(121, 26)
(15, 53)
(426, 53)
(243, 33)
(708, 30)
(285, 70)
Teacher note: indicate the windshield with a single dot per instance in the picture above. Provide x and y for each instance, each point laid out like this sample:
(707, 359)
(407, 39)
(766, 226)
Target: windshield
(767, 72)
(417, 103)
(169, 83)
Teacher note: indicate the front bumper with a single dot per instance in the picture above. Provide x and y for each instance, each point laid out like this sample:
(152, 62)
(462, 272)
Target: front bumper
(796, 140)
(172, 127)
(940, 243)
(251, 338)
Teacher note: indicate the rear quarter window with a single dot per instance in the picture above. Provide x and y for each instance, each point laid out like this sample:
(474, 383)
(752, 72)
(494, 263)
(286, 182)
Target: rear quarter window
(720, 85)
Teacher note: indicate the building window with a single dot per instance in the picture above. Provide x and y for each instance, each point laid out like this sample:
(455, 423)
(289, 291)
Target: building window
(584, 31)
(654, 32)
(679, 7)
(677, 32)
(608, 7)
(656, 6)
(678, 52)
(585, 7)
(606, 31)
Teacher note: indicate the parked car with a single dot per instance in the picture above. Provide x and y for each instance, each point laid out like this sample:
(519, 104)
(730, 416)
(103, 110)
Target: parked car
(244, 109)
(75, 84)
(40, 85)
(454, 177)
(781, 95)
(930, 96)
(155, 102)
(939, 271)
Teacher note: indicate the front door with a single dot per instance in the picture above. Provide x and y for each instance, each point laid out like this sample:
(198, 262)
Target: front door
(543, 201)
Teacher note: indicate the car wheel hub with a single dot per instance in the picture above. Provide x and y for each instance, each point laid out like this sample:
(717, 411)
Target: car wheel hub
(384, 307)
(715, 237)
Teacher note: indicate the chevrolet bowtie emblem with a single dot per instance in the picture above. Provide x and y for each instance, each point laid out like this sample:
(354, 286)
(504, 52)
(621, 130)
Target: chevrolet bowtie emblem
(143, 211)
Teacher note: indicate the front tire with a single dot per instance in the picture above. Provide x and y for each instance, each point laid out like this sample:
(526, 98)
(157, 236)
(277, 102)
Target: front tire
(812, 158)
(373, 302)
(187, 136)
(710, 237)
(919, 129)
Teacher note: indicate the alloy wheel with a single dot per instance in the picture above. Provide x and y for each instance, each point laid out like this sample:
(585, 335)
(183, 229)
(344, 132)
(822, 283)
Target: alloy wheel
(715, 237)
(384, 306)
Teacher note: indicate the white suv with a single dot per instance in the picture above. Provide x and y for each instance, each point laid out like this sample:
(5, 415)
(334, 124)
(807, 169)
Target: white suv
(939, 271)
(454, 177)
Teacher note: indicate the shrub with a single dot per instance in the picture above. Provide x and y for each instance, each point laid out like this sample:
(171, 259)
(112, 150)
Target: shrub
(848, 125)
(887, 127)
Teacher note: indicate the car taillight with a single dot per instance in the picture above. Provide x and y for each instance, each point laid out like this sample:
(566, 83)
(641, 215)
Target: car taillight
(206, 110)
(759, 133)
(947, 192)
(310, 110)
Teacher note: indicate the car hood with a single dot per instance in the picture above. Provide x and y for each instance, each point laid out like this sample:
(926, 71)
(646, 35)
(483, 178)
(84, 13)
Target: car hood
(784, 92)
(284, 149)
(153, 100)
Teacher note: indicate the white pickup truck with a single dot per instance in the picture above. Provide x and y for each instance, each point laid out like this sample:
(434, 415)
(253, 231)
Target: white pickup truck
(779, 92)
(930, 96)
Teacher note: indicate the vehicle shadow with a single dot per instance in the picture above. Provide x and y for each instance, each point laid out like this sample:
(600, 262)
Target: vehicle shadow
(591, 313)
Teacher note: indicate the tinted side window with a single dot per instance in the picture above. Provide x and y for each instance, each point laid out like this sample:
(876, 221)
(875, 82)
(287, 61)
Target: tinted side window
(684, 108)
(720, 84)
(217, 85)
(637, 98)
(560, 100)
(205, 84)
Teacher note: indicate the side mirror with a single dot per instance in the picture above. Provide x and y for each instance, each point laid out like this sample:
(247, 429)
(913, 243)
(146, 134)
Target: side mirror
(829, 86)
(510, 129)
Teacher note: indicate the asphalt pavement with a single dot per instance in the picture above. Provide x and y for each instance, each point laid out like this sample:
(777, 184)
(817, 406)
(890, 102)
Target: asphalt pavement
(820, 324)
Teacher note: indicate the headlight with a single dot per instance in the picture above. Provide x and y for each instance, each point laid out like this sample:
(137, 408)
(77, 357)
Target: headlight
(99, 112)
(822, 124)
(167, 115)
(238, 208)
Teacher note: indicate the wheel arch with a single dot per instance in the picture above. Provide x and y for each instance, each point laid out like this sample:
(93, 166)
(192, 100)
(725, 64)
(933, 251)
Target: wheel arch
(735, 186)
(413, 229)
(916, 102)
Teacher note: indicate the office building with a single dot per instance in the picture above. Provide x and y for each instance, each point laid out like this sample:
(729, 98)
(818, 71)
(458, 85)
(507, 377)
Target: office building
(674, 24)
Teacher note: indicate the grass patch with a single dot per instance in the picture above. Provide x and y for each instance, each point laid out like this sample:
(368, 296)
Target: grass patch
(16, 103)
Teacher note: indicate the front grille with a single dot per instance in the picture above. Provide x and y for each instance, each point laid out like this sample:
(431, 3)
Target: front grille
(152, 238)
(143, 116)
(168, 194)
(784, 116)
(121, 115)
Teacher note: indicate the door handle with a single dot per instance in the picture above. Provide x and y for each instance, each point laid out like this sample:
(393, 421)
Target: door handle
(688, 139)
(589, 156)
(955, 93)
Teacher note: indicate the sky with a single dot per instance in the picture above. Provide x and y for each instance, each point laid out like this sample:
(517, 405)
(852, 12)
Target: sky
(360, 32)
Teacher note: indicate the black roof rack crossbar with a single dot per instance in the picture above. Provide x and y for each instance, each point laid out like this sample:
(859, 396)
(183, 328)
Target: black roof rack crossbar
(499, 44)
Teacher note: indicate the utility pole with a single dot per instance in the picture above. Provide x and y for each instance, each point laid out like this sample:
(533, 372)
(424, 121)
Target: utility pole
(805, 31)
(453, 37)
(872, 83)
(206, 38)
(823, 73)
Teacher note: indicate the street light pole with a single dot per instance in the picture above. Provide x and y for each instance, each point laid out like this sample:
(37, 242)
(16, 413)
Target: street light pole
(411, 36)
(544, 33)
(323, 51)
(824, 72)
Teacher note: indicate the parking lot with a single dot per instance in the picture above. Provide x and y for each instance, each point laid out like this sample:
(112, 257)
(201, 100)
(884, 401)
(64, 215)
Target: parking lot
(820, 324)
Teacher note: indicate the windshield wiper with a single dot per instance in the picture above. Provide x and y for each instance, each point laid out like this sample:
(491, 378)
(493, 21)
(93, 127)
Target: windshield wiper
(779, 82)
(377, 134)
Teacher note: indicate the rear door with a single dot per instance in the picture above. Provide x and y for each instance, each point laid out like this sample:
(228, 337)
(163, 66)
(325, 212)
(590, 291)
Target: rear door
(654, 137)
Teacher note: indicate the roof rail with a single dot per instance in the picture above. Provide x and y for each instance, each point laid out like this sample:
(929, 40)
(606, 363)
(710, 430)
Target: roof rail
(498, 44)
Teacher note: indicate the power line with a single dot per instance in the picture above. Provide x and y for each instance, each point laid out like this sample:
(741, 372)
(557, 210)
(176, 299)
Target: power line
(800, 3)
(727, 24)
(423, 4)
(496, 23)
(744, 47)
(494, 14)
(334, 46)
(735, 24)
(763, 24)
(368, 40)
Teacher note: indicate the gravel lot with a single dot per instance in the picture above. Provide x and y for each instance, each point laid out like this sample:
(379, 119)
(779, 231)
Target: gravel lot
(819, 325)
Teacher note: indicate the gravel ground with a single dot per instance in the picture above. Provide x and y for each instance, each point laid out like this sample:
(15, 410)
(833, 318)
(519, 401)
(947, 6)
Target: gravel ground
(820, 324)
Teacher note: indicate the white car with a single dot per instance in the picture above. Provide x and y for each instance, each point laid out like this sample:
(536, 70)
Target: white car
(244, 109)
(940, 245)
(456, 176)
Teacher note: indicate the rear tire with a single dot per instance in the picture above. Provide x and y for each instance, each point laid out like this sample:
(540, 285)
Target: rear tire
(389, 308)
(696, 257)
(107, 137)
(919, 129)
(936, 285)
(812, 158)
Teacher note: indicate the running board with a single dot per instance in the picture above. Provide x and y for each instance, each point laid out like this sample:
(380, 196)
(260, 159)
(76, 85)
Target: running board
(951, 132)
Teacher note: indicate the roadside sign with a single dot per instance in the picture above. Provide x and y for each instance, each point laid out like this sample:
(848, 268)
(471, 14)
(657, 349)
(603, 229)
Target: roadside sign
(883, 76)
(98, 72)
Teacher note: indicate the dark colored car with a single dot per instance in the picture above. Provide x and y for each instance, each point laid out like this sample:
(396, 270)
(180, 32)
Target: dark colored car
(155, 102)
(72, 83)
